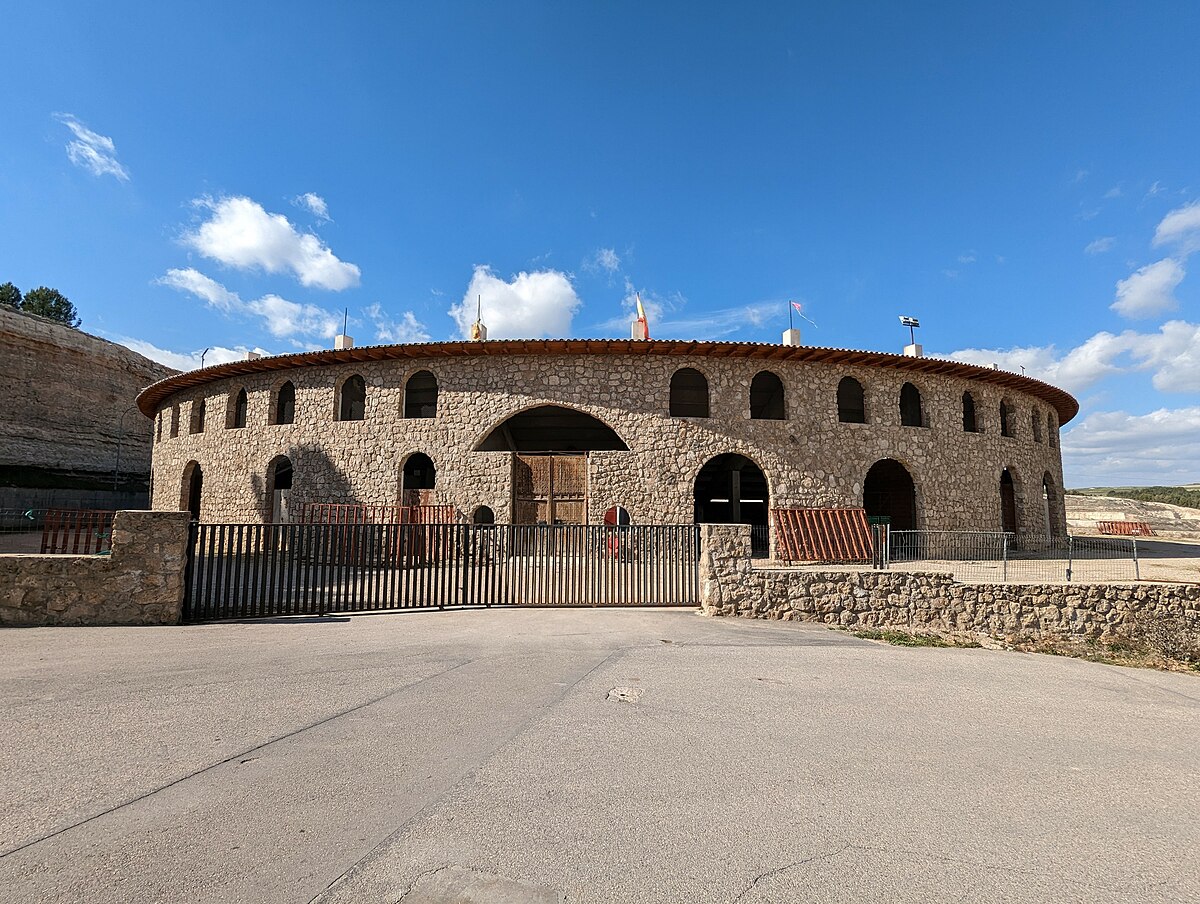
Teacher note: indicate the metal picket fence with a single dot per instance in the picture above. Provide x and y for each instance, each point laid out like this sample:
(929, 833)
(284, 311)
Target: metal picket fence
(994, 557)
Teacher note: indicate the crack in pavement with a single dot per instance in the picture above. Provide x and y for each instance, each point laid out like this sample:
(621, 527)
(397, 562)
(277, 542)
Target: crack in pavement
(789, 866)
(357, 866)
(229, 759)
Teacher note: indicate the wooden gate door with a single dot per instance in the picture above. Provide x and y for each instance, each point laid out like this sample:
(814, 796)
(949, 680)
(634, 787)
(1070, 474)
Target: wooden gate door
(550, 488)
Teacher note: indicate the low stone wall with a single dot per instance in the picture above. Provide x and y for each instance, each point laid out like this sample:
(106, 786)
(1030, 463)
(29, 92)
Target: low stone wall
(140, 583)
(730, 585)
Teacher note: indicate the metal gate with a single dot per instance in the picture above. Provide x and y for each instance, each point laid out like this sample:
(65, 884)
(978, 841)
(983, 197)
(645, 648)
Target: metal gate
(262, 570)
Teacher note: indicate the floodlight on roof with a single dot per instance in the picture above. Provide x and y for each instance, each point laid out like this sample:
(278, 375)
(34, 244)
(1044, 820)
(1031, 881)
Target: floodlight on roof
(909, 321)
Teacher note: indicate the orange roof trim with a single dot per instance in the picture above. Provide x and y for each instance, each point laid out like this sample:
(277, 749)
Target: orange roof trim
(1063, 402)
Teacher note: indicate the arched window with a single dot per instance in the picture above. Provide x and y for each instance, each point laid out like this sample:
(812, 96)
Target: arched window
(239, 404)
(1052, 430)
(851, 402)
(197, 421)
(158, 427)
(1007, 427)
(1035, 423)
(766, 397)
(910, 406)
(285, 404)
(483, 515)
(689, 393)
(279, 489)
(352, 399)
(889, 492)
(1008, 503)
(192, 489)
(969, 425)
(421, 395)
(174, 421)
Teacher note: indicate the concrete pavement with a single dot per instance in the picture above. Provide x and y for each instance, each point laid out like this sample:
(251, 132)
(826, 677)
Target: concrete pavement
(481, 756)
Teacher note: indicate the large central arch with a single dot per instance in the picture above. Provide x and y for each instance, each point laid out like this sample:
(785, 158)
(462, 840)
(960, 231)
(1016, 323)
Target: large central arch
(552, 428)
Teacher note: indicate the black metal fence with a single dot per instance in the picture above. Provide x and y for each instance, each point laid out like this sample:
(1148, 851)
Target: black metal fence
(260, 570)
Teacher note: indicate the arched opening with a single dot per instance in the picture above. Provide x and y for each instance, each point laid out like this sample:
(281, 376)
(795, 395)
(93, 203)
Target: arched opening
(551, 428)
(766, 397)
(969, 424)
(483, 515)
(421, 395)
(732, 489)
(1035, 424)
(851, 402)
(889, 492)
(1006, 419)
(352, 399)
(549, 462)
(279, 488)
(158, 428)
(1052, 431)
(193, 489)
(174, 421)
(198, 410)
(239, 406)
(417, 480)
(1052, 502)
(285, 404)
(1008, 503)
(910, 406)
(689, 393)
(617, 515)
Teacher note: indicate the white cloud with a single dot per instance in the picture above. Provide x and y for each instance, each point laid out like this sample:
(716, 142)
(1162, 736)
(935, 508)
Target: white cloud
(606, 259)
(187, 360)
(529, 306)
(668, 317)
(314, 204)
(968, 257)
(1114, 448)
(1181, 226)
(1114, 192)
(1172, 354)
(240, 233)
(406, 329)
(1101, 245)
(92, 151)
(1150, 290)
(281, 317)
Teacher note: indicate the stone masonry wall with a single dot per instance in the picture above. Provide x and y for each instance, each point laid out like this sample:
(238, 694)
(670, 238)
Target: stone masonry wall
(140, 583)
(809, 459)
(731, 585)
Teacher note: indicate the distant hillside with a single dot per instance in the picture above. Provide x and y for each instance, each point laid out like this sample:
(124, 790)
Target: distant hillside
(1187, 496)
(1085, 511)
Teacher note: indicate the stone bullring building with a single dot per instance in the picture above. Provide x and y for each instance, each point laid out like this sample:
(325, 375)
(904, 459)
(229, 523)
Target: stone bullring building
(580, 430)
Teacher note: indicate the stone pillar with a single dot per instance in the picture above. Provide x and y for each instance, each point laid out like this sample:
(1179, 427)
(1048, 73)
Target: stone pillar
(149, 553)
(724, 564)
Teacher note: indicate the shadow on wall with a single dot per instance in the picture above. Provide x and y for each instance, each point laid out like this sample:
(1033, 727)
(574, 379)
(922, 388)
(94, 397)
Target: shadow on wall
(298, 476)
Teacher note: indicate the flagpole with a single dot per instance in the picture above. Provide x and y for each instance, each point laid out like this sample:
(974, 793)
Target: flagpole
(791, 319)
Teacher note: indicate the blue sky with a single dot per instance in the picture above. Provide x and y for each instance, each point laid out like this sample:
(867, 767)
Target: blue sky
(1024, 178)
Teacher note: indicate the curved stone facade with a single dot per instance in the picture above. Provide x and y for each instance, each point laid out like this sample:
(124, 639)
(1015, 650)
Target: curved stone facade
(809, 458)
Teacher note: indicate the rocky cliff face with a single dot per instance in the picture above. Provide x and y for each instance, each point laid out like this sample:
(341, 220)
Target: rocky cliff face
(62, 397)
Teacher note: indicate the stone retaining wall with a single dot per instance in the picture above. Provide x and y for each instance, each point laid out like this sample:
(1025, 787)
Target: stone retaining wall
(140, 583)
(731, 585)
